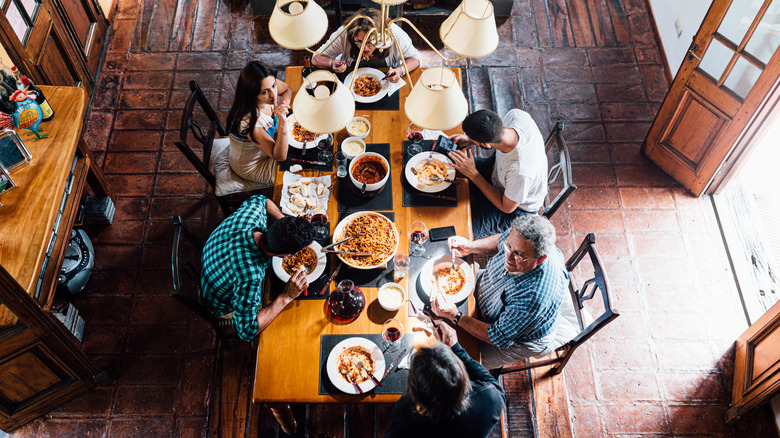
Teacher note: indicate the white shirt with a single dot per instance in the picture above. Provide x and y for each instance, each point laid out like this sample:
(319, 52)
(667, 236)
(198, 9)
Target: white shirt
(522, 172)
(341, 48)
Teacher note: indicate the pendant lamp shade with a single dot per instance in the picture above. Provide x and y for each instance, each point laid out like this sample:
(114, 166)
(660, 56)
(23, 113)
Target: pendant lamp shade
(329, 109)
(436, 101)
(297, 24)
(471, 29)
(389, 2)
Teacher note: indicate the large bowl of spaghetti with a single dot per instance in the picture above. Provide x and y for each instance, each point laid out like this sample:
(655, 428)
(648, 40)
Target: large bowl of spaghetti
(438, 276)
(379, 239)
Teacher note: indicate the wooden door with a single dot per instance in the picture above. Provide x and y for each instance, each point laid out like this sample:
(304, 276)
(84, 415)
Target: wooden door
(757, 365)
(724, 88)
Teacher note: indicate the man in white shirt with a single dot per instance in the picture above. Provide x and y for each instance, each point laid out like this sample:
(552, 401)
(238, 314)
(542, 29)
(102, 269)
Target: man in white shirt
(511, 182)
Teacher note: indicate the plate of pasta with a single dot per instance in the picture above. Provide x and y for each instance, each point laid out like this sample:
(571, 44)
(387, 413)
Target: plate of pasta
(456, 284)
(424, 181)
(340, 365)
(297, 135)
(369, 86)
(379, 239)
(311, 256)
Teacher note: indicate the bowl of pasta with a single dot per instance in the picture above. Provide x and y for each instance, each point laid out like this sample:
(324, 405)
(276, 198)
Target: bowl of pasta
(431, 175)
(311, 257)
(370, 85)
(379, 238)
(438, 276)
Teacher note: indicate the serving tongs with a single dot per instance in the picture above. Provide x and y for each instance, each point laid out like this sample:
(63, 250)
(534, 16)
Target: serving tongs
(333, 251)
(343, 240)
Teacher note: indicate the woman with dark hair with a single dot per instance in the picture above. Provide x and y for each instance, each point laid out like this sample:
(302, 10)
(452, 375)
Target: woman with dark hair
(346, 48)
(257, 123)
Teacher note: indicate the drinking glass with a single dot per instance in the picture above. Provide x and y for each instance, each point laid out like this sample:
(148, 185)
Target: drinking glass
(319, 220)
(417, 234)
(325, 147)
(341, 164)
(392, 332)
(414, 135)
(400, 265)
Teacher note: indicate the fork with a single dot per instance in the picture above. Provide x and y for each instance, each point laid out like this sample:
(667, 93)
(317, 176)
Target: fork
(359, 363)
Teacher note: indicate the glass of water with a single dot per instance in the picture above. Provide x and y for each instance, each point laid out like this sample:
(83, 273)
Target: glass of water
(341, 164)
(401, 265)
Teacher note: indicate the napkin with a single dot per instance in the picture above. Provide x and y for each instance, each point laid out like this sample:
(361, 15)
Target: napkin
(432, 134)
(395, 86)
(322, 200)
(404, 363)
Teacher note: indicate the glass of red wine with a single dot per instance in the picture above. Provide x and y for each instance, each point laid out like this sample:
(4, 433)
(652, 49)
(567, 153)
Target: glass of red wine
(319, 220)
(346, 302)
(417, 234)
(392, 332)
(414, 135)
(326, 149)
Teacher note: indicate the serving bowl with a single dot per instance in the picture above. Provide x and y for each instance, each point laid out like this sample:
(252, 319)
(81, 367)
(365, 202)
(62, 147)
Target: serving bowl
(391, 296)
(370, 162)
(347, 149)
(356, 123)
(339, 232)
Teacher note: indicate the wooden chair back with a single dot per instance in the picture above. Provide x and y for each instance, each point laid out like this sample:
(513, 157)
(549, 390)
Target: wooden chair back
(186, 268)
(560, 169)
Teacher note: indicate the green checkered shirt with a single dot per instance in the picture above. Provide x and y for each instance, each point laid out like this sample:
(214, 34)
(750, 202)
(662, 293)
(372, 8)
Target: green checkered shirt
(234, 267)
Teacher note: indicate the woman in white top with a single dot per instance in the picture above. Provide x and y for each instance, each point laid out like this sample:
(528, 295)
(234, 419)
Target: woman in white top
(346, 48)
(257, 123)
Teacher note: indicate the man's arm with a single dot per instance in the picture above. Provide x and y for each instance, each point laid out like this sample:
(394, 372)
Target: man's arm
(272, 210)
(297, 284)
(445, 309)
(464, 163)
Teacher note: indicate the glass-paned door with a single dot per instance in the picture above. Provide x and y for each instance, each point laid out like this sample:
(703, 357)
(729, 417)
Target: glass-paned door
(21, 15)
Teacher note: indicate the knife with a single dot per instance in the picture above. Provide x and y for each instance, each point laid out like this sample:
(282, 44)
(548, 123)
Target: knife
(395, 362)
(333, 251)
(325, 288)
(360, 390)
(317, 163)
(445, 198)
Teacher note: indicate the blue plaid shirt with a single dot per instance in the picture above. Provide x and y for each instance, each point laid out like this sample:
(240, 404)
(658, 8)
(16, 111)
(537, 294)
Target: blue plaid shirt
(234, 267)
(524, 307)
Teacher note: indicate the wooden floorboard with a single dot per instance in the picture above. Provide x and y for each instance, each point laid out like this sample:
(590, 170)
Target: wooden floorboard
(560, 23)
(183, 23)
(506, 88)
(161, 26)
(579, 17)
(203, 32)
(543, 27)
(550, 403)
(231, 407)
(360, 420)
(619, 20)
(602, 25)
(327, 419)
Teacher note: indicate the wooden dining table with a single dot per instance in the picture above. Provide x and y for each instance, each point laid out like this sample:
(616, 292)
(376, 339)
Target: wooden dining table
(288, 350)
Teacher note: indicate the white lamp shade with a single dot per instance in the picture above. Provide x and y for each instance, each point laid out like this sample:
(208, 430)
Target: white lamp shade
(325, 112)
(436, 101)
(389, 2)
(304, 23)
(471, 29)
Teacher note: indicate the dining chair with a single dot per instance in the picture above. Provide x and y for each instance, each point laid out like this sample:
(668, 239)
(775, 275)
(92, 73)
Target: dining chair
(576, 322)
(214, 163)
(559, 169)
(186, 269)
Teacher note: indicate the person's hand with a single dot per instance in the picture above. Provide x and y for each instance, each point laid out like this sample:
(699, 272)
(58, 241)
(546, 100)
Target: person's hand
(448, 334)
(296, 284)
(441, 307)
(339, 66)
(464, 163)
(460, 139)
(281, 110)
(459, 245)
(394, 74)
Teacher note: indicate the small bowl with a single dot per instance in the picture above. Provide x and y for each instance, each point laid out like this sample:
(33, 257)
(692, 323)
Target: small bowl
(353, 139)
(353, 132)
(388, 296)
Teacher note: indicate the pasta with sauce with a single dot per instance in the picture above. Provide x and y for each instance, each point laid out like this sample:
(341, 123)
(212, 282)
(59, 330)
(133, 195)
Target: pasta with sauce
(379, 239)
(347, 367)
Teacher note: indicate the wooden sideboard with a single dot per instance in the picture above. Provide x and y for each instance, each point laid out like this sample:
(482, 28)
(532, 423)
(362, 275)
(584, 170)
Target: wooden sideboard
(42, 364)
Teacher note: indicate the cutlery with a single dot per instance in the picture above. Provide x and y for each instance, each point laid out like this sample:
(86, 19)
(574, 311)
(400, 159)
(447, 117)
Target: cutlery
(428, 314)
(359, 364)
(445, 198)
(438, 178)
(324, 289)
(317, 163)
(396, 360)
(331, 251)
(360, 390)
(343, 240)
(303, 151)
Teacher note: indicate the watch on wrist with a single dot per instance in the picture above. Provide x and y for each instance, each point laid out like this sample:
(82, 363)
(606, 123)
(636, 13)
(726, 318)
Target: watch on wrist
(457, 317)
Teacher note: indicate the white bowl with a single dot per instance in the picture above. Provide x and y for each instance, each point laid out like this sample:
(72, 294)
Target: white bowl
(352, 132)
(338, 234)
(355, 139)
(388, 296)
(363, 157)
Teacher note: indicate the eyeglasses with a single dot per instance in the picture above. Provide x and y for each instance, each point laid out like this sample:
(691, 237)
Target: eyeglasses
(516, 254)
(360, 43)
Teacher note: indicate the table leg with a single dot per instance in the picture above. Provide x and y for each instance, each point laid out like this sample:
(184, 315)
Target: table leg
(284, 415)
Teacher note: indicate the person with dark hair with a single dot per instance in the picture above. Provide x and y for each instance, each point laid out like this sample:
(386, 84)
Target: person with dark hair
(236, 256)
(257, 123)
(509, 183)
(519, 293)
(448, 394)
(346, 48)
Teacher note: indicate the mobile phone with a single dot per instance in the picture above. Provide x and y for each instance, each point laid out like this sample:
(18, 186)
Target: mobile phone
(443, 142)
(442, 233)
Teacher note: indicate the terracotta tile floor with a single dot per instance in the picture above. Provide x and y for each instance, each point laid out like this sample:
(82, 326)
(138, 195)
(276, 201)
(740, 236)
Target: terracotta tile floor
(662, 369)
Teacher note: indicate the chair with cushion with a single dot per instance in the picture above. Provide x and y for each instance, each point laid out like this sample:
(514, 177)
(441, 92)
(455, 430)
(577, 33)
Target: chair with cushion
(560, 169)
(214, 164)
(186, 268)
(576, 322)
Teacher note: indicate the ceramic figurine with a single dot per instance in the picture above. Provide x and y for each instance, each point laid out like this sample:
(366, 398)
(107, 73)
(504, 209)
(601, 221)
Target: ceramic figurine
(28, 113)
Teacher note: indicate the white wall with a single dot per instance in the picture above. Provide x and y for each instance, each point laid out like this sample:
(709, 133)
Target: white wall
(689, 14)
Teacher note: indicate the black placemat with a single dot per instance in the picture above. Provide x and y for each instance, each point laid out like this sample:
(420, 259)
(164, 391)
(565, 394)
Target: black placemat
(310, 155)
(348, 201)
(413, 197)
(394, 383)
(387, 103)
(368, 277)
(417, 295)
(277, 285)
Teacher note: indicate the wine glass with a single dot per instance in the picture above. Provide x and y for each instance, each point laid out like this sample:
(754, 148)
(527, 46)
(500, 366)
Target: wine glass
(392, 332)
(414, 135)
(325, 146)
(319, 220)
(418, 234)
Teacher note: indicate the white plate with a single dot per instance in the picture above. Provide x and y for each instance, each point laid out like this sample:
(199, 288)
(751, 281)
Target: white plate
(276, 262)
(426, 277)
(375, 73)
(298, 144)
(428, 187)
(338, 234)
(340, 381)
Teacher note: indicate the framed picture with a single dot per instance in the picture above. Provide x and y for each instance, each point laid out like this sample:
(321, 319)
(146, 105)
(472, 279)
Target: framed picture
(6, 183)
(13, 153)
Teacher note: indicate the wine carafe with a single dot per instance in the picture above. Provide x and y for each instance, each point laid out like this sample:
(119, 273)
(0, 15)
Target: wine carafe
(346, 302)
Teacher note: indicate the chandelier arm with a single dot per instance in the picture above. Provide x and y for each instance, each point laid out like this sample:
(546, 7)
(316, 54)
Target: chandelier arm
(357, 62)
(403, 60)
(424, 39)
(345, 27)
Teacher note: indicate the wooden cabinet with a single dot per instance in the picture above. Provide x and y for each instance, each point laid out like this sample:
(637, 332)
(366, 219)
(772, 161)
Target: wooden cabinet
(41, 363)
